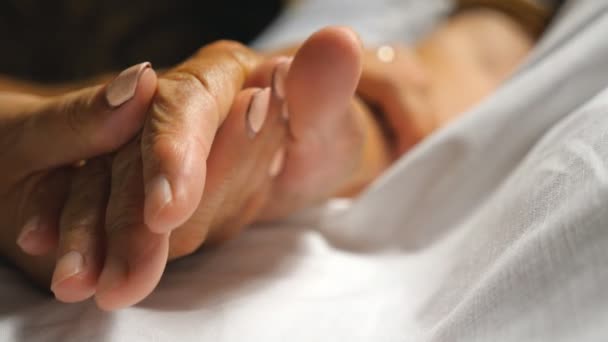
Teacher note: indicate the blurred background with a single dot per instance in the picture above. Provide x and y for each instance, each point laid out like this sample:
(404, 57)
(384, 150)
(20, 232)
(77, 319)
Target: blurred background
(66, 40)
(61, 40)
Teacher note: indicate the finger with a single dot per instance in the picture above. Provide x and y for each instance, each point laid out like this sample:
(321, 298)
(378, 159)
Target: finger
(81, 238)
(266, 165)
(238, 163)
(192, 102)
(252, 201)
(82, 124)
(135, 257)
(333, 54)
(272, 73)
(320, 87)
(42, 206)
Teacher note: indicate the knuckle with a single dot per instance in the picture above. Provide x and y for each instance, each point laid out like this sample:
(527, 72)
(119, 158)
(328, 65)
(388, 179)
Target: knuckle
(230, 57)
(184, 89)
(243, 57)
(226, 45)
(82, 218)
(120, 219)
(183, 99)
(238, 57)
(195, 85)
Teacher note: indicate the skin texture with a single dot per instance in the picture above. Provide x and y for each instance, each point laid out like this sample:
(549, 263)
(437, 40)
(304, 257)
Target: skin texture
(45, 134)
(134, 256)
(420, 91)
(139, 280)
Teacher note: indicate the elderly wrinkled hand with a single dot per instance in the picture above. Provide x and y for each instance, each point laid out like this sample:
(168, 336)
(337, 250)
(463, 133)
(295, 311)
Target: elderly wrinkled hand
(107, 249)
(42, 137)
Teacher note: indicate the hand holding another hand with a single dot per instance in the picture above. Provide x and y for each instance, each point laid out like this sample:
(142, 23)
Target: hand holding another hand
(116, 232)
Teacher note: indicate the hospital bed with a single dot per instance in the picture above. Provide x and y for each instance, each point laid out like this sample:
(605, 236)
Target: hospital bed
(493, 229)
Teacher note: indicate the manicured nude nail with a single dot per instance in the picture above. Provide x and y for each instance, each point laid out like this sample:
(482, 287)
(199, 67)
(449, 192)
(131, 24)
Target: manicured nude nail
(71, 264)
(285, 111)
(279, 76)
(27, 238)
(276, 165)
(159, 189)
(257, 111)
(123, 87)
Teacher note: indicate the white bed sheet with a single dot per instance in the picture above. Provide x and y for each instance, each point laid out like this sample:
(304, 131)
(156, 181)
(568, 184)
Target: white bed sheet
(494, 229)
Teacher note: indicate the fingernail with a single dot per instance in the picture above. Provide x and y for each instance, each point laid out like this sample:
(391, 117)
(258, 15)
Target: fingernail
(257, 111)
(123, 87)
(285, 111)
(68, 266)
(276, 165)
(160, 193)
(279, 76)
(27, 238)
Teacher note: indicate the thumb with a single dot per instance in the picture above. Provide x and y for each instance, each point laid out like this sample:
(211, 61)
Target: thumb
(84, 123)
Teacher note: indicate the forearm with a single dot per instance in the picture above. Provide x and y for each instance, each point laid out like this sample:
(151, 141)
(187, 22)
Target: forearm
(533, 15)
(13, 85)
(379, 151)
